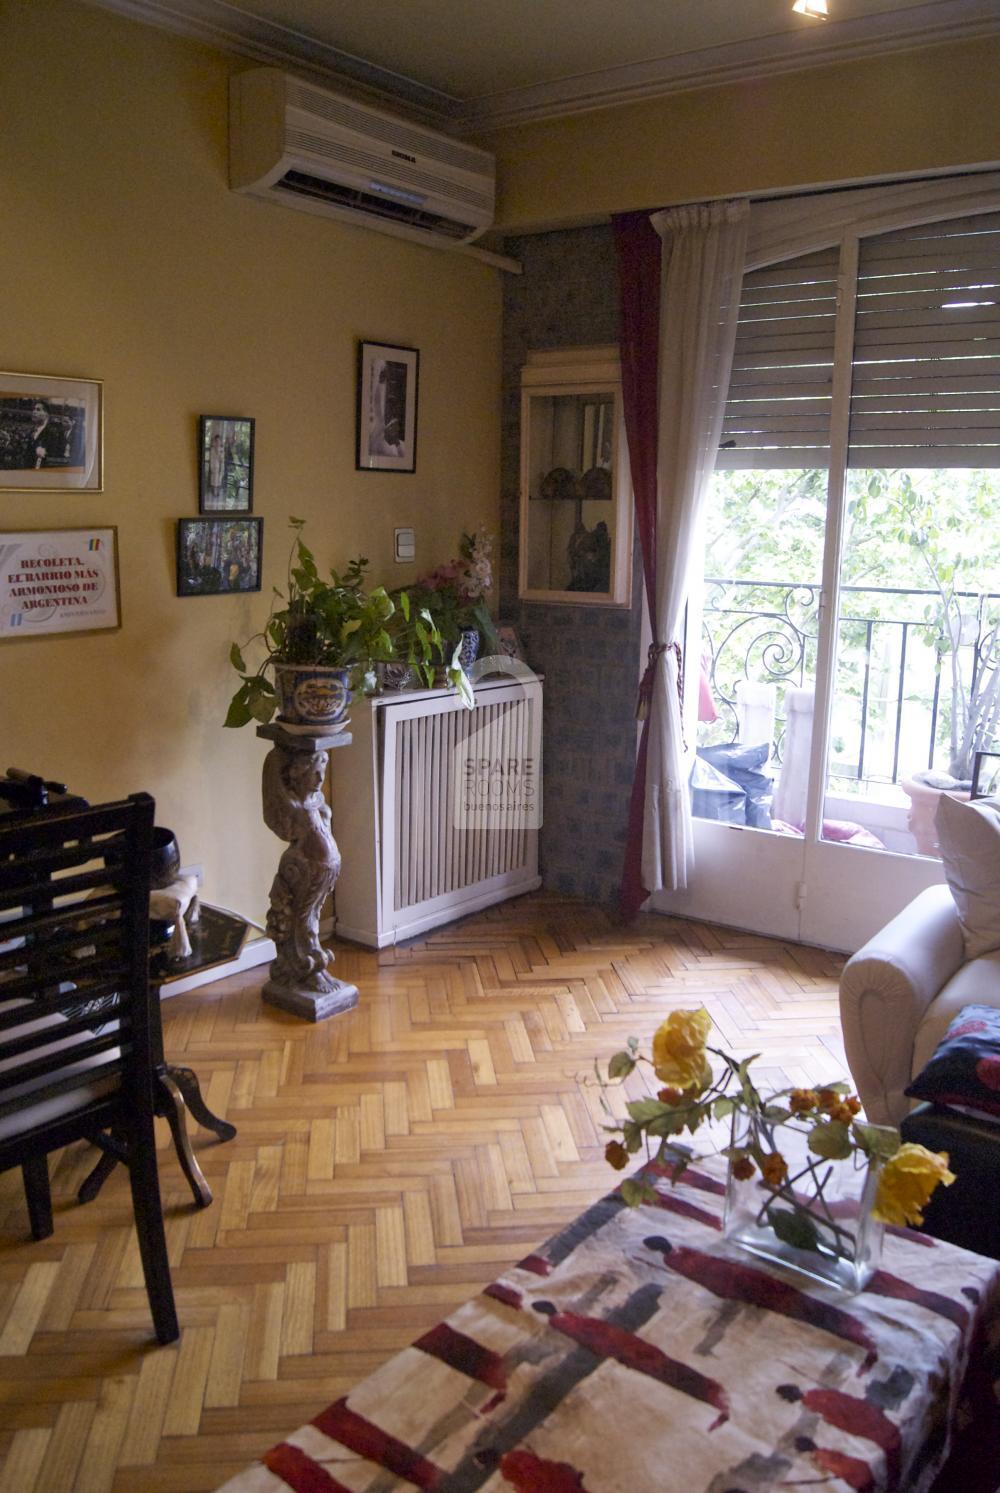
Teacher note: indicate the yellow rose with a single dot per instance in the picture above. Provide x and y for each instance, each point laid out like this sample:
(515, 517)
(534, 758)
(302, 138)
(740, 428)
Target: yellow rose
(906, 1183)
(679, 1050)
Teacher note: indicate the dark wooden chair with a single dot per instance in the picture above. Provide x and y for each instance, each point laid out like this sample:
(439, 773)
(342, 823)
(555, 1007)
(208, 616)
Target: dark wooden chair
(76, 1060)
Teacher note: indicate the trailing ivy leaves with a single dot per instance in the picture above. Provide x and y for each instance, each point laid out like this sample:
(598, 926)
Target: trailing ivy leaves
(879, 1141)
(794, 1227)
(621, 1065)
(634, 1191)
(830, 1139)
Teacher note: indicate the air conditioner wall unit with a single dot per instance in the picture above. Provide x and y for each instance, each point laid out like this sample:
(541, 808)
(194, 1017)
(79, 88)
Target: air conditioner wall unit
(295, 143)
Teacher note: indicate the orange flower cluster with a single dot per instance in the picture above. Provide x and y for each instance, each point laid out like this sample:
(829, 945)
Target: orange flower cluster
(826, 1101)
(774, 1169)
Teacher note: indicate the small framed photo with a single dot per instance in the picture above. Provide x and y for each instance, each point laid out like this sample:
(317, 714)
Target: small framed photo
(225, 464)
(51, 433)
(387, 408)
(985, 774)
(58, 580)
(510, 641)
(216, 556)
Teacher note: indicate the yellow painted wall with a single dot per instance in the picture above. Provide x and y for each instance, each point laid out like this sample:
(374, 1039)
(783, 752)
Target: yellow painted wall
(909, 112)
(125, 257)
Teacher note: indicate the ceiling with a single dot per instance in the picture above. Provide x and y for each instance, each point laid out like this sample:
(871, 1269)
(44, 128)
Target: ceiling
(474, 65)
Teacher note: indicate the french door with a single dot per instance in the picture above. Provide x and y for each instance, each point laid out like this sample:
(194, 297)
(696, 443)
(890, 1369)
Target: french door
(843, 630)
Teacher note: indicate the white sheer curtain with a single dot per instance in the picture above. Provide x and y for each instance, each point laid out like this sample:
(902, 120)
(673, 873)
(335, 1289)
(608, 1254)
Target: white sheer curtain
(704, 249)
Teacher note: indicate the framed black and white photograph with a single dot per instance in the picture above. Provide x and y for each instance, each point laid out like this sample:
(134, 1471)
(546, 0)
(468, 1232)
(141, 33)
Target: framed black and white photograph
(225, 464)
(51, 433)
(387, 408)
(57, 581)
(217, 556)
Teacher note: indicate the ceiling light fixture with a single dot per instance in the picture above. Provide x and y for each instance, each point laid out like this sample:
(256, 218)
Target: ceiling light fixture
(815, 8)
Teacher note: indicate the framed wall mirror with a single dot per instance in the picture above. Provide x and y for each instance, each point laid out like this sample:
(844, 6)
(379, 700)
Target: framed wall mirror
(576, 497)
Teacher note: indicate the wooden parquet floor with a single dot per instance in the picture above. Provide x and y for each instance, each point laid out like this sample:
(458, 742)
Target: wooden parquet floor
(388, 1164)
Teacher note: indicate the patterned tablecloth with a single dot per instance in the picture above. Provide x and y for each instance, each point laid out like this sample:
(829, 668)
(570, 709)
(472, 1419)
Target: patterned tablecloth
(637, 1352)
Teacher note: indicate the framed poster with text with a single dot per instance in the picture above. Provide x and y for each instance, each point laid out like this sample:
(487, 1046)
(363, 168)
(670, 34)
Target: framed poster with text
(58, 580)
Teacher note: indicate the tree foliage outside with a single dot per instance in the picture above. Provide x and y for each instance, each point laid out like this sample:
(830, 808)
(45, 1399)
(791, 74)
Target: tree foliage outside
(922, 548)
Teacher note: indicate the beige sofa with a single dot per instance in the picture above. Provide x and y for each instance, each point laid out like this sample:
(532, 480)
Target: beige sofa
(898, 994)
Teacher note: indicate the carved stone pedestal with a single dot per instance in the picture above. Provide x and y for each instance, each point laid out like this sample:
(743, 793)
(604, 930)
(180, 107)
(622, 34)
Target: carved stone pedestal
(295, 809)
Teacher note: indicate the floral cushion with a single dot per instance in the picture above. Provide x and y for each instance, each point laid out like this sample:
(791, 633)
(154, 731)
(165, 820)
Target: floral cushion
(964, 1072)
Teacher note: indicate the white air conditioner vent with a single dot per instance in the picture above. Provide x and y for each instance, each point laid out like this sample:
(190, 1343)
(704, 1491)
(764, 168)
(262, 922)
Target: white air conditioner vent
(311, 149)
(396, 133)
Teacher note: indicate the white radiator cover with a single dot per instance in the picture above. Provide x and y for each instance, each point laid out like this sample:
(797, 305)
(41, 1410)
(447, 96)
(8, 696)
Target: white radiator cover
(407, 865)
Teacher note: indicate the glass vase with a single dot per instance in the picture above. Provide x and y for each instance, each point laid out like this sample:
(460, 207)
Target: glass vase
(817, 1220)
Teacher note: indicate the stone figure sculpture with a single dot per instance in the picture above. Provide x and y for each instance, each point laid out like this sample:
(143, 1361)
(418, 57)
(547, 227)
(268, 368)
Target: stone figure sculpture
(296, 811)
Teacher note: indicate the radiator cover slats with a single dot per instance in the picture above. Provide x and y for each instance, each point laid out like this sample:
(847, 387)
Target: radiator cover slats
(433, 855)
(409, 863)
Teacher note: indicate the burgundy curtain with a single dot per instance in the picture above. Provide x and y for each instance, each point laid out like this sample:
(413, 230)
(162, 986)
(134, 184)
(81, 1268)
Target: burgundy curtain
(639, 249)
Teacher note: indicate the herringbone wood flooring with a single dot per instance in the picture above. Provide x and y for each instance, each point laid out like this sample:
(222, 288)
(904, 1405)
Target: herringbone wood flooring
(388, 1163)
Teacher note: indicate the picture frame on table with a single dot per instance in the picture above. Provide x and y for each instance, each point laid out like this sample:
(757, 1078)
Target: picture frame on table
(985, 774)
(58, 581)
(225, 464)
(51, 433)
(509, 641)
(387, 408)
(219, 556)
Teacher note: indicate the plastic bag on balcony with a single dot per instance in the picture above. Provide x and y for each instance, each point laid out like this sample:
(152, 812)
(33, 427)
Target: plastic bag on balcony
(714, 796)
(742, 765)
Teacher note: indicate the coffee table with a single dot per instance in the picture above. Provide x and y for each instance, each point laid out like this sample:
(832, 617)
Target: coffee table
(637, 1351)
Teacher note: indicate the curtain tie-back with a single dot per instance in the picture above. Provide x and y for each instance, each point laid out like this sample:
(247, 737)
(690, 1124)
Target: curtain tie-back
(656, 652)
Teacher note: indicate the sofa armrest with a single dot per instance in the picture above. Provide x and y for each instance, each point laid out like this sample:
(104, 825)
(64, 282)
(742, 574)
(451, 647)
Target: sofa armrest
(885, 989)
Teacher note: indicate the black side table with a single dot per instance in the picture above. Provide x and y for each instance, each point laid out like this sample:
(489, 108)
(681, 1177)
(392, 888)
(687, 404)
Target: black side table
(215, 939)
(968, 1212)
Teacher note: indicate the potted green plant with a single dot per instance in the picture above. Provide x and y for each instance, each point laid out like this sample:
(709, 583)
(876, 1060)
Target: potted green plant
(455, 597)
(321, 641)
(420, 651)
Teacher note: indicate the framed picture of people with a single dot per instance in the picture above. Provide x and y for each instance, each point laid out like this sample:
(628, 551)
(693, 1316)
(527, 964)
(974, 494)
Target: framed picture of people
(216, 556)
(51, 433)
(225, 464)
(387, 408)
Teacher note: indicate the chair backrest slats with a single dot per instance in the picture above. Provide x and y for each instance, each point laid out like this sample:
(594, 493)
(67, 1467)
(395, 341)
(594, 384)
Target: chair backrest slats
(98, 1074)
(75, 929)
(56, 998)
(68, 916)
(36, 1041)
(58, 953)
(53, 1062)
(84, 881)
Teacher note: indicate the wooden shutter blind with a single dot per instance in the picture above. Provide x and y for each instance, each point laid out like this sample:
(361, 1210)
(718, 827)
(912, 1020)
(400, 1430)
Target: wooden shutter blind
(926, 387)
(778, 410)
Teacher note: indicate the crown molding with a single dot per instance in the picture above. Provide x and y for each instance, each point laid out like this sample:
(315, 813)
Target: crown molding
(232, 29)
(790, 51)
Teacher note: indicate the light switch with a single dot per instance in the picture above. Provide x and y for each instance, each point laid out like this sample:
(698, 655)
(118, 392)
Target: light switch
(405, 545)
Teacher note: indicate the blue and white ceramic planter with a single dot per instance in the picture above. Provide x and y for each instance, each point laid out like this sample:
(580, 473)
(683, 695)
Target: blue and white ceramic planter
(310, 695)
(468, 650)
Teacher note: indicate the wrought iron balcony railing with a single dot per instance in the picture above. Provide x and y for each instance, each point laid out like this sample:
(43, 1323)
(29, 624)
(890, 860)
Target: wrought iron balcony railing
(895, 685)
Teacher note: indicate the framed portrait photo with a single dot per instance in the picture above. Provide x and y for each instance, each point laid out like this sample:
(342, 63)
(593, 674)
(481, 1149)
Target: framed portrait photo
(217, 556)
(58, 580)
(225, 464)
(51, 433)
(387, 408)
